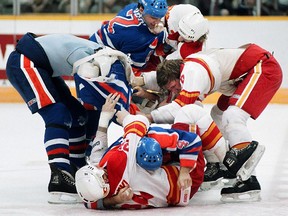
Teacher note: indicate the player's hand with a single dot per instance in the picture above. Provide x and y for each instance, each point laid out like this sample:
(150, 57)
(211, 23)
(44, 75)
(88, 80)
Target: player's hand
(124, 194)
(110, 102)
(139, 92)
(184, 180)
(108, 110)
(120, 115)
(138, 81)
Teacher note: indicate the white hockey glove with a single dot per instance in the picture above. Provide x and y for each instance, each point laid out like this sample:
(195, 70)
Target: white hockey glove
(99, 146)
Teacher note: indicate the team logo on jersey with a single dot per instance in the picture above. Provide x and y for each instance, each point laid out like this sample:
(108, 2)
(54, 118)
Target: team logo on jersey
(132, 20)
(154, 43)
(31, 102)
(182, 77)
(182, 144)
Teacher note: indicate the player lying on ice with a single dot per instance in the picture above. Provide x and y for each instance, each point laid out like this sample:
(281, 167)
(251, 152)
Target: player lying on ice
(130, 175)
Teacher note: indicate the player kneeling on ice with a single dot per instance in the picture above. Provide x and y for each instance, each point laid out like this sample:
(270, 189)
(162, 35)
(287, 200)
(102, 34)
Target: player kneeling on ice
(130, 174)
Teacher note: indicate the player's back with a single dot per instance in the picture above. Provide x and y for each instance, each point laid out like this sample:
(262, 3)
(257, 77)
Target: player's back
(156, 189)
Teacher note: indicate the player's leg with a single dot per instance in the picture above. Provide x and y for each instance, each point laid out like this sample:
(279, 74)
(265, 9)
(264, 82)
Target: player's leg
(77, 131)
(249, 101)
(214, 146)
(58, 121)
(38, 91)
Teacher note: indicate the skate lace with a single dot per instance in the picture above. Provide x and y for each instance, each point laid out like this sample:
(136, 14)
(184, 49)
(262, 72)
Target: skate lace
(211, 169)
(68, 178)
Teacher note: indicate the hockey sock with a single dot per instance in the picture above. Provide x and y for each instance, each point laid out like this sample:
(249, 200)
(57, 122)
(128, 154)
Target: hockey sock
(241, 145)
(57, 147)
(77, 146)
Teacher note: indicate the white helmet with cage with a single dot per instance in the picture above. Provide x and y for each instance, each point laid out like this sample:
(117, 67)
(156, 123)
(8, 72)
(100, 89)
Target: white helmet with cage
(193, 26)
(90, 184)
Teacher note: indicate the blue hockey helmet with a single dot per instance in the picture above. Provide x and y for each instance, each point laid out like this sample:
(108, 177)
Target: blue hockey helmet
(149, 154)
(155, 8)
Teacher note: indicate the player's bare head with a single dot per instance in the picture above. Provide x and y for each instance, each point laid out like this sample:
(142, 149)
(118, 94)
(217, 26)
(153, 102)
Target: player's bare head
(168, 71)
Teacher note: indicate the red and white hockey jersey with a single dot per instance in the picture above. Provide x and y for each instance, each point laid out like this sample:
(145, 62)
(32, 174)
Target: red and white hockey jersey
(157, 189)
(239, 73)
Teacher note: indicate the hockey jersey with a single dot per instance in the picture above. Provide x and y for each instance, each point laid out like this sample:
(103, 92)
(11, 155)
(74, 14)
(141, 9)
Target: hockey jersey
(156, 189)
(128, 32)
(209, 71)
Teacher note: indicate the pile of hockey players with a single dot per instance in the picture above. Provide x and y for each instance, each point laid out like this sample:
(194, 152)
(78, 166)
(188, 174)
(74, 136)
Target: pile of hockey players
(230, 153)
(145, 67)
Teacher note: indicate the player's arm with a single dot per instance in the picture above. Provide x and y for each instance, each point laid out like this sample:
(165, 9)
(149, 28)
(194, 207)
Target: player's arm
(100, 143)
(189, 145)
(124, 194)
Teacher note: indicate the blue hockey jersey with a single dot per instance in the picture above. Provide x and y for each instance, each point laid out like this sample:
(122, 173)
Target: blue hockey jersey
(128, 32)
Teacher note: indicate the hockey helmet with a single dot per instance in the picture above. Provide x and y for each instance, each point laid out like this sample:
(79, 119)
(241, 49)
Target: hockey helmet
(155, 8)
(90, 184)
(193, 26)
(149, 154)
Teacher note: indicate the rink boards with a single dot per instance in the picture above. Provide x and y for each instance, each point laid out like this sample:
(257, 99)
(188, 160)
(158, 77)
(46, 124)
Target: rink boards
(10, 95)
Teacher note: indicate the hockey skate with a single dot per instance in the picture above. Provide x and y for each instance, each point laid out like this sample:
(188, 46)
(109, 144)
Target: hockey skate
(242, 191)
(242, 162)
(216, 177)
(212, 177)
(62, 188)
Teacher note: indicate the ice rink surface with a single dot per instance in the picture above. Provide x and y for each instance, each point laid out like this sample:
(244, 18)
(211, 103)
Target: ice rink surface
(24, 172)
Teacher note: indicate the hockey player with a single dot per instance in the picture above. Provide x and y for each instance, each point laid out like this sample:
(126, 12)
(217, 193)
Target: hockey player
(187, 30)
(118, 182)
(35, 69)
(92, 90)
(135, 30)
(187, 33)
(247, 77)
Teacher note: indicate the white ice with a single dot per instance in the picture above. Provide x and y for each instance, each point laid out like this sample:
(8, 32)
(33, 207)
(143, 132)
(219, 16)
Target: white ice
(24, 172)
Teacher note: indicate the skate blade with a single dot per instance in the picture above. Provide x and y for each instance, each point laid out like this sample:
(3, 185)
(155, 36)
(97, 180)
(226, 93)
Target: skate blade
(218, 184)
(250, 196)
(246, 170)
(63, 198)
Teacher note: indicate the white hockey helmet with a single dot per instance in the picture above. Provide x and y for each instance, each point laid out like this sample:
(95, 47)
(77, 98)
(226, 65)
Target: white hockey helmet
(193, 26)
(90, 184)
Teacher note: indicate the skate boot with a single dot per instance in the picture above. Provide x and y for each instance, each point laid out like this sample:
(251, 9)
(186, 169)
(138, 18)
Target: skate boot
(62, 188)
(228, 178)
(212, 177)
(242, 191)
(242, 162)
